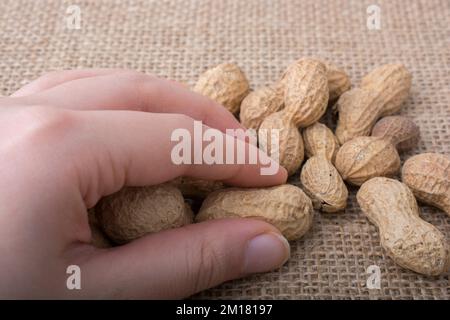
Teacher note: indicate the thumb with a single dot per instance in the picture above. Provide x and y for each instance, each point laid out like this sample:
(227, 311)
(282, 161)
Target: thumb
(180, 262)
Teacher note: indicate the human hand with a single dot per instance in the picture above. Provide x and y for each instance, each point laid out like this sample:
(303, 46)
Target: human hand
(72, 137)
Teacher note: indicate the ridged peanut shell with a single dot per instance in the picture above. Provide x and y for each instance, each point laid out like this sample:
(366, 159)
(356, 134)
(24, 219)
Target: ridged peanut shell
(290, 145)
(392, 83)
(280, 85)
(428, 176)
(320, 140)
(286, 207)
(403, 133)
(226, 84)
(196, 188)
(98, 237)
(134, 212)
(363, 158)
(338, 81)
(359, 110)
(258, 104)
(323, 184)
(306, 91)
(408, 240)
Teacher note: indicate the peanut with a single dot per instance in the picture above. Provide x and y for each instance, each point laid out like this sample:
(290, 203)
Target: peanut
(305, 97)
(319, 139)
(428, 176)
(134, 212)
(320, 179)
(226, 84)
(391, 83)
(408, 240)
(363, 158)
(306, 92)
(290, 148)
(403, 133)
(258, 105)
(382, 93)
(196, 188)
(358, 111)
(323, 184)
(98, 238)
(286, 207)
(338, 81)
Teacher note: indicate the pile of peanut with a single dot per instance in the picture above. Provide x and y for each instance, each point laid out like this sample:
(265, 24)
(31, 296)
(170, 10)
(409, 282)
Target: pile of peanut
(363, 151)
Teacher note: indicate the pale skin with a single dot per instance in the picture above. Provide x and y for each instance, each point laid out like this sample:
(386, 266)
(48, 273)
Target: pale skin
(71, 137)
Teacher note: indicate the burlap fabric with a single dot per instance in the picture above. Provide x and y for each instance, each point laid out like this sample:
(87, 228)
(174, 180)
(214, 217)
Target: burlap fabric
(180, 39)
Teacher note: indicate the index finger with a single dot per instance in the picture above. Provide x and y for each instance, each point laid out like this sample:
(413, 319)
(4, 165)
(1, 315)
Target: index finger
(134, 91)
(136, 149)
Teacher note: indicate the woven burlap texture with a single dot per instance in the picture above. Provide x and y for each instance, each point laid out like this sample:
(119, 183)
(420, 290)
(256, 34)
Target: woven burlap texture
(180, 39)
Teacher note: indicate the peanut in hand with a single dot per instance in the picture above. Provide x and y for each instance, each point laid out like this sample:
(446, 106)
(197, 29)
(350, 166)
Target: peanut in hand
(286, 207)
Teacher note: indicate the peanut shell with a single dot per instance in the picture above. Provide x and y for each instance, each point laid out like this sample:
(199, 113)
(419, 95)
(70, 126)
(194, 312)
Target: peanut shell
(196, 188)
(382, 93)
(359, 110)
(323, 184)
(290, 147)
(392, 83)
(338, 81)
(428, 176)
(306, 92)
(408, 240)
(226, 84)
(286, 207)
(320, 140)
(136, 211)
(403, 133)
(363, 158)
(259, 104)
(98, 237)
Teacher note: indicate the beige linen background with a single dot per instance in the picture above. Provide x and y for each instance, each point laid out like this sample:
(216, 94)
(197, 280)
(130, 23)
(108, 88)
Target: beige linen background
(179, 39)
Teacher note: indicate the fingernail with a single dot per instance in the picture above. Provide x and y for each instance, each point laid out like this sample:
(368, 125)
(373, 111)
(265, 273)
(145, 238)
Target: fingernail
(266, 252)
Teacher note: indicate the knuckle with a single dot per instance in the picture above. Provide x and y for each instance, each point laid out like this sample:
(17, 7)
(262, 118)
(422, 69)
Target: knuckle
(43, 122)
(46, 134)
(148, 86)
